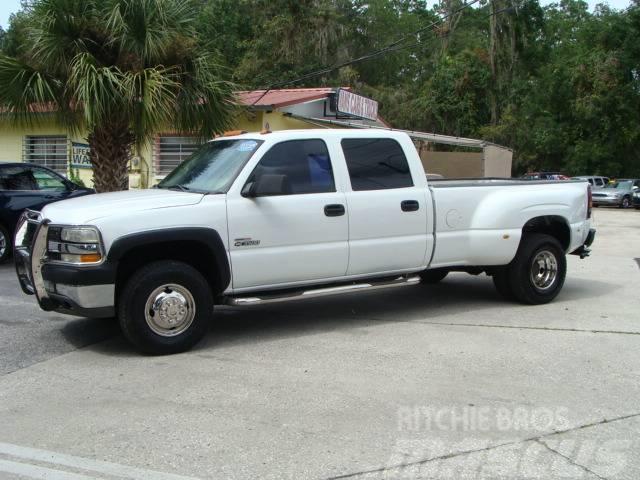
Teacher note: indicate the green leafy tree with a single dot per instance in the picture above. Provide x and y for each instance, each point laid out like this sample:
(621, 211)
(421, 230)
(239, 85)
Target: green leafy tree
(559, 84)
(122, 70)
(291, 38)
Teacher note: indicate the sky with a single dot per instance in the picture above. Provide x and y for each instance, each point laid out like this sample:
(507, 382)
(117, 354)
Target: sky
(7, 7)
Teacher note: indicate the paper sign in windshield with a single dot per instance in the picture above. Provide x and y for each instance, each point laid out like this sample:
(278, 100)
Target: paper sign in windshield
(247, 146)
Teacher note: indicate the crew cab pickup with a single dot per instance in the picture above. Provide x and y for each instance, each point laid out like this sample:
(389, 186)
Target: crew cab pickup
(271, 216)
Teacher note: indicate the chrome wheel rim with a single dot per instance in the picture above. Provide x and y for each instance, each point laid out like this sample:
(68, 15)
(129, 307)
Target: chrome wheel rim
(3, 244)
(170, 310)
(544, 270)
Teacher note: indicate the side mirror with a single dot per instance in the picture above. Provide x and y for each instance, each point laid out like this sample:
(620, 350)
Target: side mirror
(249, 190)
(267, 185)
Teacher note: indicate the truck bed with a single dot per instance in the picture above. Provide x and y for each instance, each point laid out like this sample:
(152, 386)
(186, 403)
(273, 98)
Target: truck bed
(483, 225)
(492, 182)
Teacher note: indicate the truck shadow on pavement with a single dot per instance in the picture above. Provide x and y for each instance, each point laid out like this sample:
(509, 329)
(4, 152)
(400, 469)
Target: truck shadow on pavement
(88, 331)
(457, 294)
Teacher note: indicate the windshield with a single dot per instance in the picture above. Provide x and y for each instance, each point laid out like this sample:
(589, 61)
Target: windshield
(625, 185)
(212, 168)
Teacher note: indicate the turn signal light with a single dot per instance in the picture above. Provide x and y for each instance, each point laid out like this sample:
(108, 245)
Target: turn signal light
(90, 258)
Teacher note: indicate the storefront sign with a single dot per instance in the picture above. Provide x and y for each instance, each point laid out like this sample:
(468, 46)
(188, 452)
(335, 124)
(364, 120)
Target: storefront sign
(357, 105)
(80, 155)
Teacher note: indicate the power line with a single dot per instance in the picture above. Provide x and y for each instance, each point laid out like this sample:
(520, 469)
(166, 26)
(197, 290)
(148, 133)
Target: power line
(418, 44)
(388, 48)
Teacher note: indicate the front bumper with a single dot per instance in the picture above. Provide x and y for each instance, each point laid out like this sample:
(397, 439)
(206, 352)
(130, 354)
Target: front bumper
(82, 291)
(606, 201)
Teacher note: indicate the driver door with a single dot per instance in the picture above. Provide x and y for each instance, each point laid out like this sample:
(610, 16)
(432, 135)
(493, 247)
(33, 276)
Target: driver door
(293, 230)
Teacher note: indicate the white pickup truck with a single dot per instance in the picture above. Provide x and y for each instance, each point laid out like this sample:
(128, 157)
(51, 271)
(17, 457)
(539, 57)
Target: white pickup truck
(271, 216)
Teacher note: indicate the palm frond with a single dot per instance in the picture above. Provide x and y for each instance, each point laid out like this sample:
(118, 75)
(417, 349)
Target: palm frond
(151, 94)
(26, 91)
(99, 91)
(205, 103)
(148, 28)
(60, 30)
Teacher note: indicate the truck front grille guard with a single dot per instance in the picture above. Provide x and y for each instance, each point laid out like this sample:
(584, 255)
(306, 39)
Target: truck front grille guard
(30, 249)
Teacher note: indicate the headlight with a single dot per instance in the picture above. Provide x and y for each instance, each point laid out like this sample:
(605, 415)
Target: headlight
(74, 245)
(80, 235)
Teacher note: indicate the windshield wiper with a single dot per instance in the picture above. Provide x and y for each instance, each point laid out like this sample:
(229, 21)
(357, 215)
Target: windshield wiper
(182, 188)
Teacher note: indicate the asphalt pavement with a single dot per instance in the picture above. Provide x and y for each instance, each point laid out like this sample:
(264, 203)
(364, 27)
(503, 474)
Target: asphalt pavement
(446, 381)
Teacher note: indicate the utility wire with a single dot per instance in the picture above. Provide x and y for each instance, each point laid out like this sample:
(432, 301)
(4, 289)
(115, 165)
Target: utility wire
(418, 44)
(388, 48)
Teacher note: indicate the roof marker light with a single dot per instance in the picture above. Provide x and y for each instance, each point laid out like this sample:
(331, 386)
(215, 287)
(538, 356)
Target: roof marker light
(233, 133)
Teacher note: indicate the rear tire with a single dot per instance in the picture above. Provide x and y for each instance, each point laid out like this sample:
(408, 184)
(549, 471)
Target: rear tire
(626, 202)
(165, 307)
(5, 244)
(433, 276)
(537, 273)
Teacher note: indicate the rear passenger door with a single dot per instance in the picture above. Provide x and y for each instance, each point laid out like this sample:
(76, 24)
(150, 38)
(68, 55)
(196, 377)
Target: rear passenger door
(299, 234)
(387, 211)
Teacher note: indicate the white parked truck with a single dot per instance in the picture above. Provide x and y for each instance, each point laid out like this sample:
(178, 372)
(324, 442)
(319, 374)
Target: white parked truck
(271, 216)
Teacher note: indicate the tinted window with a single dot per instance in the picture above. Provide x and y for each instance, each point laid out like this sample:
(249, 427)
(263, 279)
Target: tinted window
(17, 178)
(47, 180)
(621, 185)
(376, 164)
(305, 163)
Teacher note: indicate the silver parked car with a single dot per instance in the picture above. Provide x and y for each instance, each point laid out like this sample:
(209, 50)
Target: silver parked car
(618, 193)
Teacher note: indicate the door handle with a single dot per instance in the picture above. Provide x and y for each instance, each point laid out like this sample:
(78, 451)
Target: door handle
(334, 210)
(409, 205)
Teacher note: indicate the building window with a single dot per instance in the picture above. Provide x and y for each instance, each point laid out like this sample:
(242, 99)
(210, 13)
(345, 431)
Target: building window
(170, 151)
(47, 151)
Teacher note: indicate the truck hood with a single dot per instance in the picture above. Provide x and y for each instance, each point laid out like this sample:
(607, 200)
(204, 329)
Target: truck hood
(84, 210)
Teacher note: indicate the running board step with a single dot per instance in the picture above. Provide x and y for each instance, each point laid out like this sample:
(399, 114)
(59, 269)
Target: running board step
(289, 295)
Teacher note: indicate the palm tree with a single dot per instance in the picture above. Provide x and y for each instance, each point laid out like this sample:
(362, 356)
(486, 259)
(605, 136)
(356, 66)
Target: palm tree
(120, 70)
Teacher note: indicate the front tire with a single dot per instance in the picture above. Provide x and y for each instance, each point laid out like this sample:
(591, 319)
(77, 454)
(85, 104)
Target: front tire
(537, 273)
(165, 307)
(5, 244)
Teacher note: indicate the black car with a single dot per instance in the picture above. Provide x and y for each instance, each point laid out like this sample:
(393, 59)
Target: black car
(23, 185)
